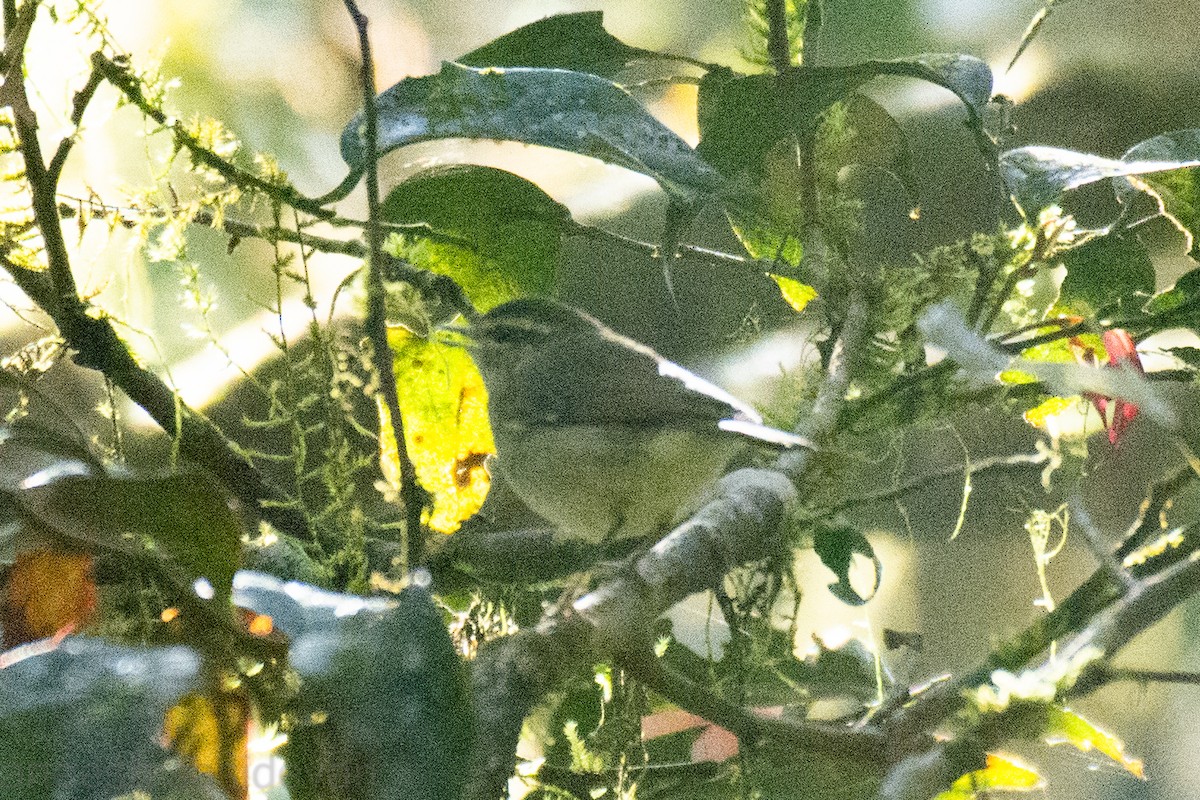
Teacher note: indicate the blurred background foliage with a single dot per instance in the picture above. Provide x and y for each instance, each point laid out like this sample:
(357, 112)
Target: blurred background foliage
(280, 74)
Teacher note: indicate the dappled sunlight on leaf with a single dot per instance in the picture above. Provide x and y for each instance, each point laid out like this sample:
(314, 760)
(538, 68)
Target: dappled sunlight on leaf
(795, 294)
(503, 231)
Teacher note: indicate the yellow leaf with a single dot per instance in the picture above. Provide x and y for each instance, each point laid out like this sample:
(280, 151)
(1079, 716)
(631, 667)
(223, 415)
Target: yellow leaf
(1001, 773)
(1064, 726)
(796, 294)
(212, 733)
(443, 403)
(1046, 413)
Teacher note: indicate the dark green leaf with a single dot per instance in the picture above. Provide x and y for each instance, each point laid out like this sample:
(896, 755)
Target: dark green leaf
(847, 670)
(186, 516)
(1036, 176)
(1178, 190)
(1188, 355)
(384, 708)
(872, 139)
(506, 230)
(570, 111)
(837, 546)
(1185, 290)
(83, 720)
(1106, 274)
(565, 41)
(742, 116)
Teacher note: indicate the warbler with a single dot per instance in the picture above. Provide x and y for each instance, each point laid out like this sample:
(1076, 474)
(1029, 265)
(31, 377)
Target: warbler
(597, 433)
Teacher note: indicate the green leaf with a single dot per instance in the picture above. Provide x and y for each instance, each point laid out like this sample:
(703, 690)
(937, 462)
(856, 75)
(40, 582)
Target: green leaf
(1186, 291)
(448, 437)
(837, 547)
(570, 111)
(383, 708)
(1064, 726)
(185, 515)
(741, 117)
(1037, 176)
(576, 42)
(506, 230)
(1177, 191)
(83, 721)
(872, 139)
(795, 294)
(847, 669)
(1188, 355)
(1108, 274)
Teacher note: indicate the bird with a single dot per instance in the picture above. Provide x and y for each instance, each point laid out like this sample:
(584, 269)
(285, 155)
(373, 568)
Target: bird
(597, 433)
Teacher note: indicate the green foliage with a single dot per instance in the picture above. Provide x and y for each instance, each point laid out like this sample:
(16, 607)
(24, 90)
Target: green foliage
(575, 42)
(83, 720)
(384, 696)
(501, 232)
(588, 115)
(371, 692)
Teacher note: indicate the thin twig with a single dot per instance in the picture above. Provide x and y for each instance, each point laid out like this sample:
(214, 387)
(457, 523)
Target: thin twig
(79, 105)
(1151, 675)
(1147, 522)
(864, 743)
(125, 82)
(1102, 612)
(1101, 549)
(971, 468)
(96, 342)
(412, 495)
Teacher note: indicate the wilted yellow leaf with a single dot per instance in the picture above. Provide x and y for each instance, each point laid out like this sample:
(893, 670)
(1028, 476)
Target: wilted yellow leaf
(212, 733)
(46, 592)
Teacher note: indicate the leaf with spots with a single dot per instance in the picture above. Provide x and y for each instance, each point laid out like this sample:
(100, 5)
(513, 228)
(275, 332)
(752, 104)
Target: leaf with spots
(444, 406)
(571, 111)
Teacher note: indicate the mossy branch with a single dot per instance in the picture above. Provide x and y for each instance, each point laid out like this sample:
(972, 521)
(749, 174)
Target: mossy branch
(92, 335)
(120, 76)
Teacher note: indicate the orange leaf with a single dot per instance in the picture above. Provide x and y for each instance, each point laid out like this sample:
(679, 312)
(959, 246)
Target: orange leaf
(46, 592)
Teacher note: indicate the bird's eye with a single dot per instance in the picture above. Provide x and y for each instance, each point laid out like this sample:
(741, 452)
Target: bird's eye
(506, 334)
